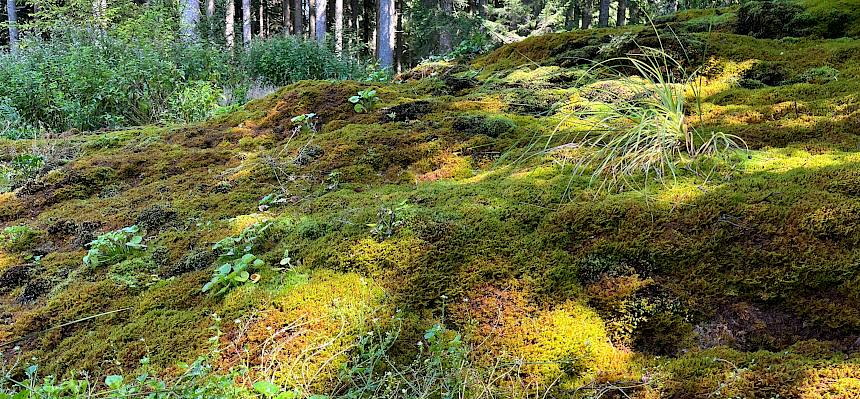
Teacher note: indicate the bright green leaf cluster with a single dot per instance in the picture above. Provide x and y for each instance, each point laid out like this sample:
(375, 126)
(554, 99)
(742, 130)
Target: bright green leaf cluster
(365, 101)
(115, 246)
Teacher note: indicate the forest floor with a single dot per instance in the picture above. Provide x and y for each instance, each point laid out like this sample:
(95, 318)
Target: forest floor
(741, 281)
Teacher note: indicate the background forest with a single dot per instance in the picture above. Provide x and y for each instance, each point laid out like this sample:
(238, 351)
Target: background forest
(88, 65)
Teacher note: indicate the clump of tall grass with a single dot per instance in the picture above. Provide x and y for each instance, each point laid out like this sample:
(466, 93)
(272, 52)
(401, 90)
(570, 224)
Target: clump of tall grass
(645, 128)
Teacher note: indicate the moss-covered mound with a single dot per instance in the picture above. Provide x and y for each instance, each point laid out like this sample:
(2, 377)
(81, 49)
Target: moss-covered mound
(741, 282)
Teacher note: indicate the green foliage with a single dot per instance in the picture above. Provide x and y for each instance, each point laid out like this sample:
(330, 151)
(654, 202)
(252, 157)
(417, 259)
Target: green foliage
(19, 171)
(197, 101)
(304, 123)
(233, 274)
(645, 131)
(365, 101)
(115, 246)
(235, 247)
(389, 219)
(819, 75)
(19, 238)
(12, 125)
(284, 60)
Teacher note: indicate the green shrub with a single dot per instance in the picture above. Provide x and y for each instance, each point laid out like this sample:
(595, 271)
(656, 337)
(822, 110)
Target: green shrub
(365, 101)
(819, 75)
(21, 169)
(195, 102)
(284, 60)
(114, 247)
(19, 238)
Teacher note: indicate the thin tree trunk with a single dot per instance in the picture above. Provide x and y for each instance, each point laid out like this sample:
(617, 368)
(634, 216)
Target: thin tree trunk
(603, 17)
(445, 45)
(288, 20)
(261, 20)
(634, 12)
(385, 33)
(210, 18)
(229, 24)
(190, 20)
(99, 13)
(587, 9)
(399, 44)
(673, 6)
(298, 18)
(246, 23)
(353, 22)
(621, 17)
(338, 26)
(320, 23)
(367, 27)
(12, 12)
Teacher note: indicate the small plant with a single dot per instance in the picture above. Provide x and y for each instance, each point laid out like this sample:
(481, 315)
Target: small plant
(235, 247)
(819, 75)
(114, 247)
(304, 123)
(233, 274)
(388, 220)
(19, 238)
(365, 101)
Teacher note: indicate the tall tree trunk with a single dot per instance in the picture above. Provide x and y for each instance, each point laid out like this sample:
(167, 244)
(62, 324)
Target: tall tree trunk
(445, 45)
(12, 12)
(399, 44)
(298, 18)
(385, 33)
(603, 17)
(338, 26)
(246, 23)
(99, 13)
(621, 17)
(210, 18)
(288, 20)
(261, 32)
(229, 24)
(587, 16)
(634, 12)
(190, 20)
(320, 23)
(353, 21)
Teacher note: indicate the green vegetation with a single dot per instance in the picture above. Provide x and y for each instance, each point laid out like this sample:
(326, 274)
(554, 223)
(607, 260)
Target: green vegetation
(452, 241)
(364, 101)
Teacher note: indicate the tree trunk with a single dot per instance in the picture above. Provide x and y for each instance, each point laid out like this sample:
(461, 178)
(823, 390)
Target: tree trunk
(385, 33)
(190, 20)
(338, 26)
(634, 12)
(587, 9)
(672, 7)
(320, 23)
(298, 18)
(210, 18)
(353, 21)
(288, 19)
(367, 27)
(261, 20)
(621, 18)
(99, 13)
(13, 25)
(246, 23)
(445, 45)
(603, 16)
(229, 24)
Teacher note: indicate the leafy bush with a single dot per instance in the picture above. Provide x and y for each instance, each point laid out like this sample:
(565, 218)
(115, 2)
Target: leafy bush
(21, 169)
(819, 75)
(284, 60)
(114, 247)
(195, 102)
(18, 238)
(12, 125)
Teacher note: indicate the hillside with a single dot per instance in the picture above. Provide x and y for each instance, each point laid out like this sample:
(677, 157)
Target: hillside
(432, 219)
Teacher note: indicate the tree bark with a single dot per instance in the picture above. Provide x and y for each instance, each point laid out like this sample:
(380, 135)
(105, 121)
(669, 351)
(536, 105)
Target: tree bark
(288, 18)
(246, 23)
(603, 16)
(261, 20)
(621, 17)
(385, 33)
(12, 12)
(210, 18)
(190, 20)
(445, 45)
(338, 26)
(229, 24)
(320, 24)
(634, 12)
(298, 18)
(672, 7)
(587, 9)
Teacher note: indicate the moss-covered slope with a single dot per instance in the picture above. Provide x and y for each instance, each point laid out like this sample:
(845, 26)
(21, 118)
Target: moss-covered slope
(745, 283)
